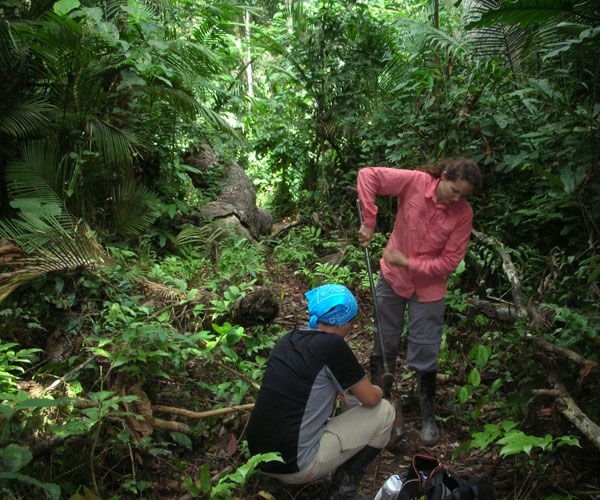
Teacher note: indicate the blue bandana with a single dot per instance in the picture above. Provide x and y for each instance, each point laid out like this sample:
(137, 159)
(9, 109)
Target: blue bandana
(330, 304)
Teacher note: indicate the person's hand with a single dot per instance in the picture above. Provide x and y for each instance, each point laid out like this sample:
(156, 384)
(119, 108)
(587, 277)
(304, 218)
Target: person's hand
(395, 257)
(365, 235)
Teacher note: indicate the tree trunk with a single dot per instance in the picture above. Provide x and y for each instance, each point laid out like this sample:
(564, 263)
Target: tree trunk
(248, 58)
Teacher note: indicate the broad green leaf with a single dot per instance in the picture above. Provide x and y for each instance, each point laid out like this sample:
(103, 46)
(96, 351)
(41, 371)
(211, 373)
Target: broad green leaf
(38, 403)
(6, 410)
(482, 439)
(205, 482)
(463, 395)
(518, 442)
(496, 385)
(73, 427)
(15, 457)
(37, 207)
(242, 473)
(94, 13)
(568, 440)
(182, 439)
(63, 7)
(474, 377)
(52, 490)
(100, 396)
(508, 425)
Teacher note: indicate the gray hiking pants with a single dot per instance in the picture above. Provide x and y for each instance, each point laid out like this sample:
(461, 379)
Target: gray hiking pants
(425, 321)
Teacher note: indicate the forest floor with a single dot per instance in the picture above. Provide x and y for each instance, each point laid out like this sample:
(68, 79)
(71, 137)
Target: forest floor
(454, 430)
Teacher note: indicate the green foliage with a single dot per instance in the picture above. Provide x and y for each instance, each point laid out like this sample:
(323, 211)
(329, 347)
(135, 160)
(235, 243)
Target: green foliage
(299, 247)
(141, 345)
(14, 458)
(227, 483)
(514, 441)
(240, 260)
(327, 273)
(11, 362)
(572, 329)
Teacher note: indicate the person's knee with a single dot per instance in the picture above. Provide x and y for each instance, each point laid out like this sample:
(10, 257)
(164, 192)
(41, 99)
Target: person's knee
(422, 358)
(385, 415)
(383, 421)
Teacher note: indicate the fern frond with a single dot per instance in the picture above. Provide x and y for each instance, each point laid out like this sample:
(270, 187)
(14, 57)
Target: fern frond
(49, 236)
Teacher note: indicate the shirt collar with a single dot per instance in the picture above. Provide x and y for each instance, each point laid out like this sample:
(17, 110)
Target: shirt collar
(430, 193)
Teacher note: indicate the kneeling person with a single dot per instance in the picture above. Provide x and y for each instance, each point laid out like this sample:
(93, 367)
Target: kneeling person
(305, 372)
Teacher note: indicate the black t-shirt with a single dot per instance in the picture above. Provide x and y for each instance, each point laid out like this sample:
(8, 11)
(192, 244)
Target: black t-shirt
(304, 373)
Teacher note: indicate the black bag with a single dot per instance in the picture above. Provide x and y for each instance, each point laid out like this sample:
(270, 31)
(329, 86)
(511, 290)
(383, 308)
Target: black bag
(427, 478)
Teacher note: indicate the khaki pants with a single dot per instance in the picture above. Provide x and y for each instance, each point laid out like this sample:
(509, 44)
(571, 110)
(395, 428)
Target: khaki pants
(344, 436)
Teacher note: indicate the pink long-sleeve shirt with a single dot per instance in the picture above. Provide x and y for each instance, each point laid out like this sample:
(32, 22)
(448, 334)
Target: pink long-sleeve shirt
(434, 237)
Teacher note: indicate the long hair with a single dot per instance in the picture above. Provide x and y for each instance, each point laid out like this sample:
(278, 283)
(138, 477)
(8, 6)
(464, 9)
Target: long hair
(455, 168)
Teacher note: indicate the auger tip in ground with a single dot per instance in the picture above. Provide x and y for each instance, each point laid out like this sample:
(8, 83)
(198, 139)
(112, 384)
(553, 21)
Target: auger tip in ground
(387, 380)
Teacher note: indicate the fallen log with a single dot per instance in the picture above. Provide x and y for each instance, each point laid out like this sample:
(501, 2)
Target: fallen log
(587, 365)
(566, 406)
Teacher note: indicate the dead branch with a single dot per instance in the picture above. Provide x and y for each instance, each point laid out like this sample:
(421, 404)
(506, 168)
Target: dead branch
(67, 375)
(283, 231)
(587, 366)
(567, 406)
(509, 269)
(499, 311)
(182, 412)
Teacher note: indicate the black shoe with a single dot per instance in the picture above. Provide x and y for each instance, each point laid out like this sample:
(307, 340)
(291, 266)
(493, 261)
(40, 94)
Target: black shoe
(429, 430)
(348, 475)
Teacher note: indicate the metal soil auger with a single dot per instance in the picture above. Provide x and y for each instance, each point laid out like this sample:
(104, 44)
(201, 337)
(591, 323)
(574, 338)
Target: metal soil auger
(388, 378)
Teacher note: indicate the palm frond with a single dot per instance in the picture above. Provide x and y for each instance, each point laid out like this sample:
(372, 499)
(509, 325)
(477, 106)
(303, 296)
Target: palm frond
(194, 235)
(49, 236)
(114, 144)
(64, 250)
(134, 207)
(140, 10)
(512, 29)
(31, 191)
(22, 117)
(524, 13)
(41, 156)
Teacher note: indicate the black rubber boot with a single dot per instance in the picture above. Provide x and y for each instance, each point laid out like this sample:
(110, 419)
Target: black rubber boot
(429, 430)
(348, 475)
(377, 370)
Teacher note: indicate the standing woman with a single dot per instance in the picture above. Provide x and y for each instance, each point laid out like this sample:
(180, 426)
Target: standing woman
(430, 237)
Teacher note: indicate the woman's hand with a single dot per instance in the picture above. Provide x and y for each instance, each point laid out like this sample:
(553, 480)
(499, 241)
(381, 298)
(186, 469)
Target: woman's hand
(365, 235)
(395, 257)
